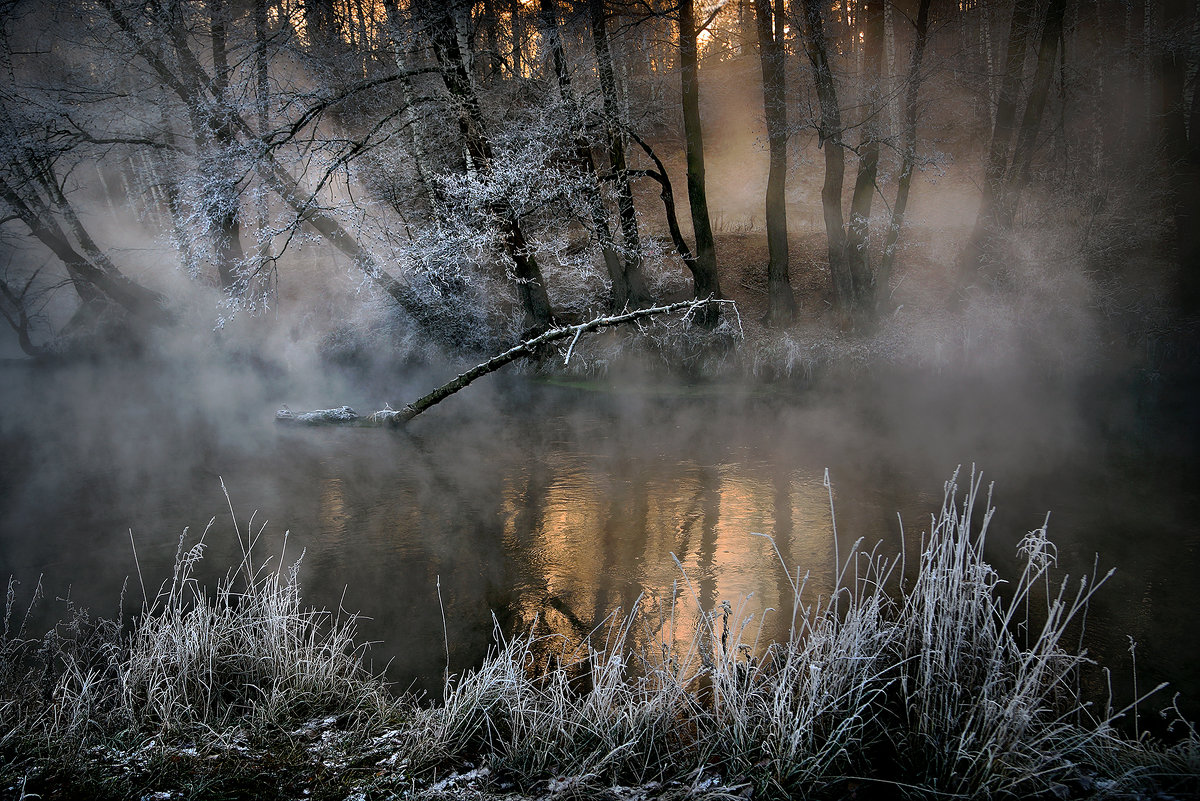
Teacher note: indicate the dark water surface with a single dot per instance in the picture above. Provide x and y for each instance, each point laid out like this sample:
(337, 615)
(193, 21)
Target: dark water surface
(562, 503)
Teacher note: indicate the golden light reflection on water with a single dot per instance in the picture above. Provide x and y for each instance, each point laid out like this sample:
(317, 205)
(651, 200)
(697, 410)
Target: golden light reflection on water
(333, 510)
(594, 539)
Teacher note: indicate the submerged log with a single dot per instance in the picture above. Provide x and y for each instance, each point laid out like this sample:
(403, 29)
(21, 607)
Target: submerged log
(344, 415)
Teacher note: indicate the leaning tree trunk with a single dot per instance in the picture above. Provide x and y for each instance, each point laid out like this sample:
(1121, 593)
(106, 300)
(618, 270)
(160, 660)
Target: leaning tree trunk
(704, 272)
(667, 194)
(908, 160)
(781, 302)
(829, 135)
(92, 279)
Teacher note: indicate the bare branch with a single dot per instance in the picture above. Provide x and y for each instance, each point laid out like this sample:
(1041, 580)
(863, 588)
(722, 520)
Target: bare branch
(397, 417)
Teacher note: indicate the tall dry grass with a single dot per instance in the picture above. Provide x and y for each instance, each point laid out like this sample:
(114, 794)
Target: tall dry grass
(948, 682)
(243, 655)
(935, 679)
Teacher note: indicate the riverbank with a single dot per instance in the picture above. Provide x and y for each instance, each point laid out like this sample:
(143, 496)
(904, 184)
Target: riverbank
(951, 682)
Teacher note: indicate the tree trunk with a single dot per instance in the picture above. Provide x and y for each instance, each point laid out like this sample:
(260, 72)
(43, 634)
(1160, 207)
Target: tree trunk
(704, 271)
(638, 292)
(518, 35)
(320, 25)
(412, 121)
(781, 302)
(888, 86)
(1031, 121)
(90, 279)
(989, 61)
(858, 232)
(262, 98)
(829, 136)
(491, 43)
(16, 315)
(908, 159)
(224, 206)
(215, 144)
(1002, 133)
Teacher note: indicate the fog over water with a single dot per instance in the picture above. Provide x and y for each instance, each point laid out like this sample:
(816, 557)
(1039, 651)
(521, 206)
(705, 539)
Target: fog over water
(557, 502)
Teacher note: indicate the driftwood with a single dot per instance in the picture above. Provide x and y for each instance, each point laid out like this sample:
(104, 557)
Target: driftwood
(344, 415)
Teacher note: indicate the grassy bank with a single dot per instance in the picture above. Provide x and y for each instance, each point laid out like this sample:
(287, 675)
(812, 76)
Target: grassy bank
(953, 682)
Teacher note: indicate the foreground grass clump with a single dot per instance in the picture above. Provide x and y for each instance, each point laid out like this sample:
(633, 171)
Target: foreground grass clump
(941, 687)
(205, 690)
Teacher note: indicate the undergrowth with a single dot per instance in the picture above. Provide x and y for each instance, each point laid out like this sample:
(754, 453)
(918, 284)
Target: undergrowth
(936, 680)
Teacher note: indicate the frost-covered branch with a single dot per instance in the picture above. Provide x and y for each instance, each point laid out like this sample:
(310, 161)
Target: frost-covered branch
(396, 417)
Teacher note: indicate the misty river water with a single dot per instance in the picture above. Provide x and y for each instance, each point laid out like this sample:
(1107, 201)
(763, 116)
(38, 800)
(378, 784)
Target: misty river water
(532, 500)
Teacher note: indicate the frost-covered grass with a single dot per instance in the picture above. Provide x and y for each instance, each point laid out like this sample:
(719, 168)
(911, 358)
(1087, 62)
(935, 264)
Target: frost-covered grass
(939, 680)
(198, 669)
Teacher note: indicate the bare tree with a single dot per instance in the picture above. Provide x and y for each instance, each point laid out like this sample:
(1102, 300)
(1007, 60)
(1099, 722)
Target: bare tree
(829, 136)
(1035, 106)
(637, 293)
(704, 268)
(1002, 132)
(781, 308)
(457, 76)
(854, 279)
(628, 284)
(908, 156)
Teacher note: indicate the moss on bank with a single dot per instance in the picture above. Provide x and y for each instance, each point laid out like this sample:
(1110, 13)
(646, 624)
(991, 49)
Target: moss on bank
(934, 689)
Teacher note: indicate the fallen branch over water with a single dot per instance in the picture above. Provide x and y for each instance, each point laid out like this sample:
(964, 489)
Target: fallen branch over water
(344, 415)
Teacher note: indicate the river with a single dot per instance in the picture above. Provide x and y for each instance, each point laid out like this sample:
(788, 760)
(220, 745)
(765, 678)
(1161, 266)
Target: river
(560, 502)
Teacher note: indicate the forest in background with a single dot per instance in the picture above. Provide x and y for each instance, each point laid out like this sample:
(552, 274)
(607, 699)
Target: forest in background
(439, 179)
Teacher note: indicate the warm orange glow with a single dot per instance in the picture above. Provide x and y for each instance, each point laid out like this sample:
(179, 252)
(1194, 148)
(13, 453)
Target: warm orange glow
(362, 21)
(584, 541)
(718, 29)
(334, 514)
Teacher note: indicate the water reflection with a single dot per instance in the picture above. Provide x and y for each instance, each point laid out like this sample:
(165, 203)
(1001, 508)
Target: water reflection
(590, 537)
(334, 515)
